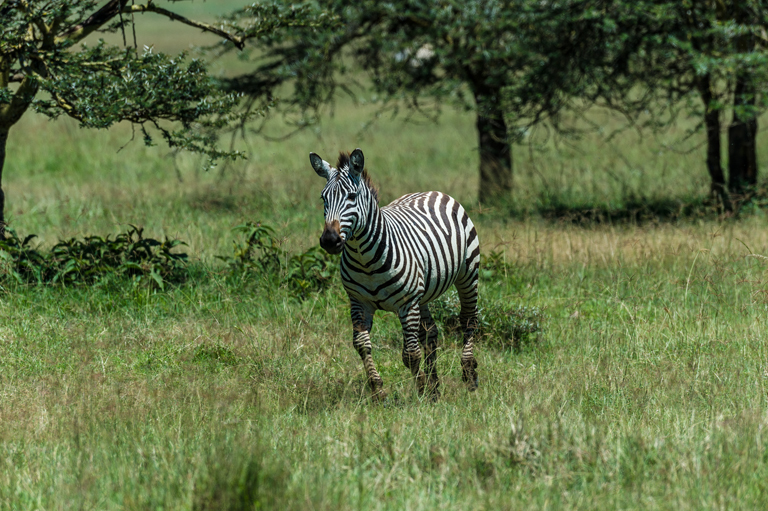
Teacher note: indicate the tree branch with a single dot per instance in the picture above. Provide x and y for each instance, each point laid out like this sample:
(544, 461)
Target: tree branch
(94, 22)
(115, 7)
(239, 42)
(11, 112)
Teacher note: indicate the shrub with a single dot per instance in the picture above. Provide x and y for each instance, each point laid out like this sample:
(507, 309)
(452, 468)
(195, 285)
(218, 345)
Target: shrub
(260, 254)
(493, 265)
(310, 272)
(498, 325)
(75, 261)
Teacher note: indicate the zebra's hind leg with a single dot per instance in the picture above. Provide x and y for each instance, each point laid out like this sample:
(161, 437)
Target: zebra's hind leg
(466, 286)
(362, 321)
(409, 319)
(428, 340)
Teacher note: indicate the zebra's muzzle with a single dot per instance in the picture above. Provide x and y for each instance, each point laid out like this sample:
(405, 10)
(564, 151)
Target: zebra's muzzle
(331, 240)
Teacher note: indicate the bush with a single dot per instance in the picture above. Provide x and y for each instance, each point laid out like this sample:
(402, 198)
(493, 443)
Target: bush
(259, 254)
(74, 261)
(493, 266)
(498, 325)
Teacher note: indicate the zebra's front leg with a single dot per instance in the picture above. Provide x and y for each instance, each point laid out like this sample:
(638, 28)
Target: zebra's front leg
(409, 319)
(362, 321)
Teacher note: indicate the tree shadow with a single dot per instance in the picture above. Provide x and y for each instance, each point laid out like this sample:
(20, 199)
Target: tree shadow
(633, 210)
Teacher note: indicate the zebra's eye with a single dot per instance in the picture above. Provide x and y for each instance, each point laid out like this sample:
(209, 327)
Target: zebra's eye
(352, 196)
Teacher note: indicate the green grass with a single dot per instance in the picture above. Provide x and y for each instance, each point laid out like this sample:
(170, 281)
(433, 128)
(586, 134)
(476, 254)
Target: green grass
(653, 395)
(646, 390)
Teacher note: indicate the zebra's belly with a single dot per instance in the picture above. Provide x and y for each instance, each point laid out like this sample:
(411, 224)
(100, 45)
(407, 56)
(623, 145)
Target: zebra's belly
(390, 291)
(383, 291)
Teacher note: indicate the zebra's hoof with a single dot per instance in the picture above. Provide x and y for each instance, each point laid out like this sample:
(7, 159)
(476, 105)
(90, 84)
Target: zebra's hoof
(432, 395)
(379, 397)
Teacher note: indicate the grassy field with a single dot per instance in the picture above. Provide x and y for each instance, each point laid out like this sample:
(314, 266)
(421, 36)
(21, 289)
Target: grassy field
(645, 390)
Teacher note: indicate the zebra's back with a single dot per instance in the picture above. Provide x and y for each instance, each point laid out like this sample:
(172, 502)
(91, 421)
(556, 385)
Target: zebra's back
(431, 243)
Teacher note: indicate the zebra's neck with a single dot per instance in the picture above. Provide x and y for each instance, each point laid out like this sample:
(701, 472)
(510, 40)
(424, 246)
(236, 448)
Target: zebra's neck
(368, 248)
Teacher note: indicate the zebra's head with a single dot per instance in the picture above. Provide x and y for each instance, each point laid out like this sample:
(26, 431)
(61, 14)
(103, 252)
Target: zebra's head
(346, 198)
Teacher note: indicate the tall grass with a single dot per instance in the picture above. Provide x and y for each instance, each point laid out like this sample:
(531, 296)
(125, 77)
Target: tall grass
(647, 389)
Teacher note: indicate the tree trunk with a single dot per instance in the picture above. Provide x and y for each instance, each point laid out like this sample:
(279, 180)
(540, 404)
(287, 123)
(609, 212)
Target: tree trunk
(495, 153)
(714, 159)
(3, 142)
(742, 155)
(10, 113)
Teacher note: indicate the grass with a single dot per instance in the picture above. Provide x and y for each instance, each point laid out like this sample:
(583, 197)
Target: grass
(646, 389)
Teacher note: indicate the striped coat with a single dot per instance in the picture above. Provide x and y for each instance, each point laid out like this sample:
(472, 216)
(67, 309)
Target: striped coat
(399, 258)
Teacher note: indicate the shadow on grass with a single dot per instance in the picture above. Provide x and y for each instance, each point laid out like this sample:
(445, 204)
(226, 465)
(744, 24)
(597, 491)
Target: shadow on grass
(633, 210)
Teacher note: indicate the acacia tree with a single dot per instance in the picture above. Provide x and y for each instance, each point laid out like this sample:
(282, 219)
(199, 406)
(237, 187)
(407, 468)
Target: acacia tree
(699, 55)
(42, 67)
(661, 57)
(512, 62)
(517, 62)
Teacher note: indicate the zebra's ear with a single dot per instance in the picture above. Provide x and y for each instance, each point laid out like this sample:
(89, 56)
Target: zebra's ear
(356, 162)
(321, 166)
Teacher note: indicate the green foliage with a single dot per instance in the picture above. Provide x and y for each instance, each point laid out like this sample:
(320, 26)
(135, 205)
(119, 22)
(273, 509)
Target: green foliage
(523, 58)
(411, 50)
(514, 63)
(499, 325)
(682, 48)
(81, 262)
(105, 84)
(259, 254)
(143, 89)
(260, 250)
(493, 265)
(522, 63)
(263, 19)
(310, 272)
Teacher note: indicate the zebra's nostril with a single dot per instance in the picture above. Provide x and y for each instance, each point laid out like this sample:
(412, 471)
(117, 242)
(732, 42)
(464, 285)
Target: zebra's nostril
(331, 242)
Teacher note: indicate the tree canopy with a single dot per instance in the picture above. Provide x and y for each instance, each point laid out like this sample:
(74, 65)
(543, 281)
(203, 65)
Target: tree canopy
(518, 62)
(704, 58)
(418, 54)
(44, 65)
(513, 62)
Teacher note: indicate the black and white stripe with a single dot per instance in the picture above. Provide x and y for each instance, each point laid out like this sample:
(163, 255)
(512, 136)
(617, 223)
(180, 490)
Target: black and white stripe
(399, 258)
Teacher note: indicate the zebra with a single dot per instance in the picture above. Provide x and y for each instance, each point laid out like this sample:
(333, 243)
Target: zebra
(398, 258)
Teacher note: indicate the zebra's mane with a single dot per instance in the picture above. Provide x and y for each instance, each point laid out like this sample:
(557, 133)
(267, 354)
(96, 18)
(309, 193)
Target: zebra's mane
(344, 162)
